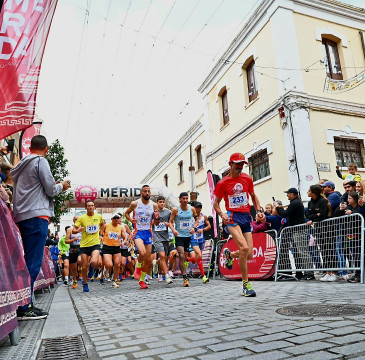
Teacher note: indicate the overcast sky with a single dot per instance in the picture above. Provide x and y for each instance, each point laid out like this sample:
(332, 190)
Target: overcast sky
(119, 79)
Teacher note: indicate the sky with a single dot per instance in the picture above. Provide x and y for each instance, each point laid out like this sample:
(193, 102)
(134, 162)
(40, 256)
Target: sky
(119, 80)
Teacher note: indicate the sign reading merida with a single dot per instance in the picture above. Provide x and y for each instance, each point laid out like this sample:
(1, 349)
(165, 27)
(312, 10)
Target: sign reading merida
(116, 196)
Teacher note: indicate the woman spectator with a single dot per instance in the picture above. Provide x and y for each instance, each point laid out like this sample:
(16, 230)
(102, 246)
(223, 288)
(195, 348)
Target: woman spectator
(353, 238)
(268, 209)
(319, 209)
(360, 188)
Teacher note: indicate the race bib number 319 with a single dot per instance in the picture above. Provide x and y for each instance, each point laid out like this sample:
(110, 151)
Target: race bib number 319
(185, 225)
(237, 200)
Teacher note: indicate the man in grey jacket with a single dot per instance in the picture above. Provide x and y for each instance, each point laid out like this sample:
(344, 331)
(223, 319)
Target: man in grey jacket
(34, 188)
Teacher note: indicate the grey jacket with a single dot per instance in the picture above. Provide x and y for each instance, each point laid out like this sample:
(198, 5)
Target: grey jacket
(34, 188)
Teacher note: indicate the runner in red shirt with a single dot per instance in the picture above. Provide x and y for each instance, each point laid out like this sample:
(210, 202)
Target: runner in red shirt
(235, 189)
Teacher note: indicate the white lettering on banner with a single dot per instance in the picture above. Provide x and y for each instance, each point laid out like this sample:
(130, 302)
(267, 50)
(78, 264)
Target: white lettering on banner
(92, 229)
(238, 200)
(16, 23)
(257, 252)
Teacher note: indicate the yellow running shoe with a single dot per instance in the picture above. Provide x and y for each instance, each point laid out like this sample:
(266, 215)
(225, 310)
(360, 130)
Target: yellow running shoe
(186, 282)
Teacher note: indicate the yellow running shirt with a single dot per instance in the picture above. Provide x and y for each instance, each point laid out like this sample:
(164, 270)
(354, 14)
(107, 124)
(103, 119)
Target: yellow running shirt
(91, 225)
(112, 235)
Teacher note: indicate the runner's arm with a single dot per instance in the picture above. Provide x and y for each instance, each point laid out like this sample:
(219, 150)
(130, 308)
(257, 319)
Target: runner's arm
(172, 221)
(219, 211)
(208, 227)
(127, 213)
(77, 229)
(123, 235)
(156, 214)
(68, 239)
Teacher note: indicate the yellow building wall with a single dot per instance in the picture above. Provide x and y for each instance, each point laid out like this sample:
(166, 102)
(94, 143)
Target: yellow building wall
(351, 57)
(324, 152)
(239, 109)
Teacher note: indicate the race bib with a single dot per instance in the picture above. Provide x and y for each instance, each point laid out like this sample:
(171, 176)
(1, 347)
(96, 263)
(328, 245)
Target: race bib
(160, 227)
(198, 236)
(185, 225)
(144, 220)
(113, 236)
(237, 200)
(92, 229)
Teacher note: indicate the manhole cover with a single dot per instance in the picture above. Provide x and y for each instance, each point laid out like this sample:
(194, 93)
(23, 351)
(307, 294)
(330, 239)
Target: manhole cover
(69, 347)
(321, 310)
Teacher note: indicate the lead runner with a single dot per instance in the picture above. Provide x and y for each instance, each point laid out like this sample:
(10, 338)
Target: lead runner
(235, 189)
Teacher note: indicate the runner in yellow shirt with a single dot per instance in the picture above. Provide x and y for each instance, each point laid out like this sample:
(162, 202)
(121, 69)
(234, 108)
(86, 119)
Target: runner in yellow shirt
(90, 225)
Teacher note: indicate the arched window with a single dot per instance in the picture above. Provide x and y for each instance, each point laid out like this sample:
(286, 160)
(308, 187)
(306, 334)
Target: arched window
(199, 157)
(251, 81)
(166, 180)
(332, 59)
(181, 171)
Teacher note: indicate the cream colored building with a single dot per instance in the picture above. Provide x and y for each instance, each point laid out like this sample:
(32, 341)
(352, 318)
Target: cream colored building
(289, 93)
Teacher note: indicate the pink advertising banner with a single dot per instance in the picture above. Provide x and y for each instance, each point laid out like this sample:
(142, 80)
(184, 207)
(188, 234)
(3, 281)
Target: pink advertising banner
(26, 136)
(212, 198)
(24, 27)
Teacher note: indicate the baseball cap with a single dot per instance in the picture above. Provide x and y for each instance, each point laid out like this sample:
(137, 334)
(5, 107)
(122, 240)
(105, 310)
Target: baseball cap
(292, 191)
(328, 183)
(116, 217)
(237, 158)
(198, 204)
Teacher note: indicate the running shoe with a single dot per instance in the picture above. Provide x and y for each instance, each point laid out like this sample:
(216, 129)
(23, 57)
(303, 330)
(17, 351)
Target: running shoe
(186, 282)
(74, 285)
(171, 274)
(205, 279)
(248, 291)
(186, 264)
(169, 280)
(92, 278)
(229, 260)
(147, 282)
(31, 313)
(172, 254)
(143, 285)
(160, 278)
(65, 282)
(118, 282)
(102, 282)
(137, 273)
(85, 288)
(109, 279)
(115, 284)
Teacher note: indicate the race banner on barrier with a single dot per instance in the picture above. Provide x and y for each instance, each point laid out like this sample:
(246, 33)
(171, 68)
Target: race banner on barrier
(24, 27)
(261, 266)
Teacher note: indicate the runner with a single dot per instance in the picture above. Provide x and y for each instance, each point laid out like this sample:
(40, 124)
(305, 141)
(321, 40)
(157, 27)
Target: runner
(235, 189)
(161, 238)
(90, 225)
(64, 250)
(111, 248)
(181, 223)
(145, 213)
(74, 257)
(125, 245)
(197, 239)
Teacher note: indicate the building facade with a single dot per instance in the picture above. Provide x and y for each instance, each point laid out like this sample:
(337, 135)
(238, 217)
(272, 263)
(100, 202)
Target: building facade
(289, 93)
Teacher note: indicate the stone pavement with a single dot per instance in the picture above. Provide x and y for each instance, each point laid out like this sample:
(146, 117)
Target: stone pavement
(214, 321)
(210, 321)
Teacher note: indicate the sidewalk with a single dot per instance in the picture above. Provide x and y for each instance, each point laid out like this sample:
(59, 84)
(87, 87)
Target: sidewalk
(210, 321)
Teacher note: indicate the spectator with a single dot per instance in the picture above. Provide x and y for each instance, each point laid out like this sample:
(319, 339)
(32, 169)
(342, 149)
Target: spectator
(319, 209)
(34, 187)
(294, 215)
(360, 188)
(275, 220)
(352, 176)
(349, 186)
(353, 238)
(268, 209)
(333, 197)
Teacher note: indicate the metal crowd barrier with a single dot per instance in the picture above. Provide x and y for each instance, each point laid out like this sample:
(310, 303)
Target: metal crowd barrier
(335, 244)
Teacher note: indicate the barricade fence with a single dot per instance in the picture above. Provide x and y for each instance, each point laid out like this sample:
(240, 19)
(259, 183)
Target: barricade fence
(335, 245)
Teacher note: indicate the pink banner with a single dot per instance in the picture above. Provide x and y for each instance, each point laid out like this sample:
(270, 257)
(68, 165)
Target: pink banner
(212, 198)
(24, 27)
(261, 266)
(26, 136)
(14, 275)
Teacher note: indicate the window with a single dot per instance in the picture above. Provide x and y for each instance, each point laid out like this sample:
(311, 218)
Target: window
(251, 81)
(181, 171)
(199, 157)
(349, 151)
(225, 107)
(166, 180)
(259, 165)
(332, 59)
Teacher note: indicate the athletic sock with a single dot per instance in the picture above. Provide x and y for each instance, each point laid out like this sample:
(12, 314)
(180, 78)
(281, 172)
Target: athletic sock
(191, 259)
(139, 265)
(143, 274)
(244, 282)
(66, 278)
(200, 264)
